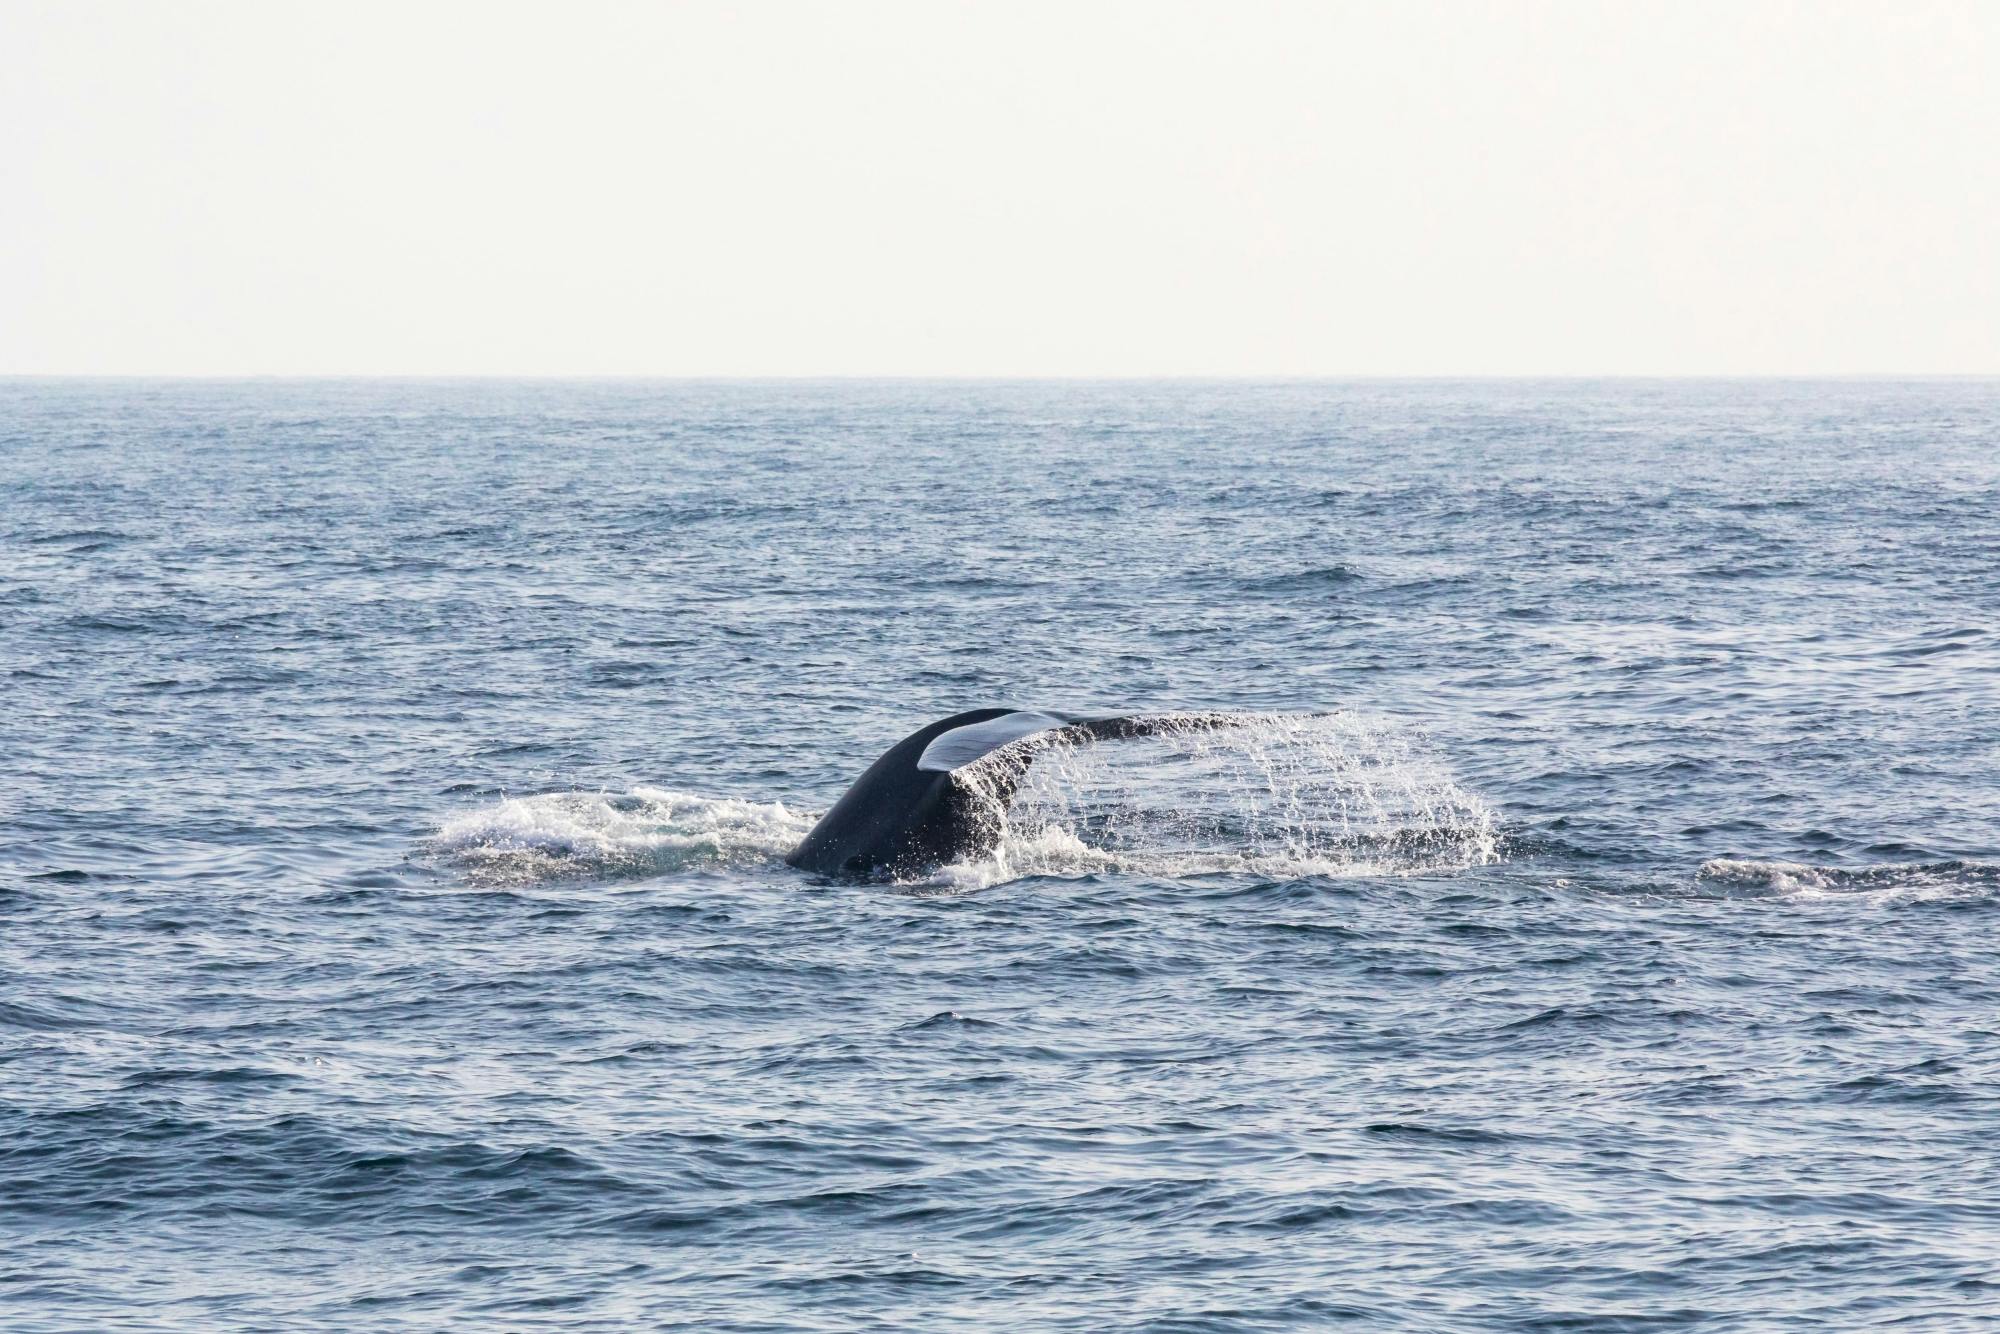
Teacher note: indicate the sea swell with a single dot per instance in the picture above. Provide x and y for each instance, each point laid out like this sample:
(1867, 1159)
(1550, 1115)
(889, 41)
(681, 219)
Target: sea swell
(395, 931)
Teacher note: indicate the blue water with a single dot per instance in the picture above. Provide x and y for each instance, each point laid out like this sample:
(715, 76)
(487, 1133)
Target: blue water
(394, 931)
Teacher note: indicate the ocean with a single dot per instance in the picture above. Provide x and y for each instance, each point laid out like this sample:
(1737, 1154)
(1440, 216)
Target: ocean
(1597, 931)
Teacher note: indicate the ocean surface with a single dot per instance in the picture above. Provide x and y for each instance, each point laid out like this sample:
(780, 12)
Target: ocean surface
(394, 931)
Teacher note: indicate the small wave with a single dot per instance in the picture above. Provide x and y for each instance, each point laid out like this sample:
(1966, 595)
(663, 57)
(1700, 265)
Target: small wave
(646, 831)
(1888, 880)
(80, 540)
(1303, 581)
(1285, 797)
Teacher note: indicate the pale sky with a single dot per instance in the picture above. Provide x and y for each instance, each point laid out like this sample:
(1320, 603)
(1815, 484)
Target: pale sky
(881, 187)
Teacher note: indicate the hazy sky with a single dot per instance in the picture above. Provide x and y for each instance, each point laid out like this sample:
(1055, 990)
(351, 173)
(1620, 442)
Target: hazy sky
(878, 187)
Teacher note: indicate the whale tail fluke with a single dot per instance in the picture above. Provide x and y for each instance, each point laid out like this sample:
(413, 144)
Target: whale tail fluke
(937, 795)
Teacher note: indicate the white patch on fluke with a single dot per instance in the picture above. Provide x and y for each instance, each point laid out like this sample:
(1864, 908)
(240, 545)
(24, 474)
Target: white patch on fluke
(647, 831)
(963, 745)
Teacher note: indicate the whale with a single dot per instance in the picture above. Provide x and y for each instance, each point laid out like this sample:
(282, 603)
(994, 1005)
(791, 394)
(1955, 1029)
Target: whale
(940, 795)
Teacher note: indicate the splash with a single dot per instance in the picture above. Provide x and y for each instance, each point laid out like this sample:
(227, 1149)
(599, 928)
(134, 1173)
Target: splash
(1341, 794)
(1883, 882)
(646, 831)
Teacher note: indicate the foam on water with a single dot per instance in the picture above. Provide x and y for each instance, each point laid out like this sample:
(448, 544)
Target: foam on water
(645, 831)
(1884, 881)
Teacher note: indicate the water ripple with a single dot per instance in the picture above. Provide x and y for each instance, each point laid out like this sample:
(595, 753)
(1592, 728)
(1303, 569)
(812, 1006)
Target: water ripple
(394, 927)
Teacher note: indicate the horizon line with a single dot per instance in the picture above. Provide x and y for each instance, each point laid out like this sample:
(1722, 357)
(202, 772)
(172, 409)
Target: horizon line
(739, 377)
